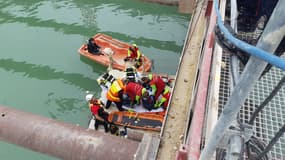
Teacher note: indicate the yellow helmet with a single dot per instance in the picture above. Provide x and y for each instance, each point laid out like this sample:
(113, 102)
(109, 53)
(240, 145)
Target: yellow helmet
(134, 45)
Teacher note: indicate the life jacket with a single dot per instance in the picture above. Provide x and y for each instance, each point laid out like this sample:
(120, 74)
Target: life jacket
(163, 101)
(94, 108)
(134, 53)
(166, 94)
(134, 89)
(113, 92)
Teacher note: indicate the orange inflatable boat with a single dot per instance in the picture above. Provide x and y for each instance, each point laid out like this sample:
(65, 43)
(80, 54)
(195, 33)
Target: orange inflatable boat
(119, 53)
(146, 121)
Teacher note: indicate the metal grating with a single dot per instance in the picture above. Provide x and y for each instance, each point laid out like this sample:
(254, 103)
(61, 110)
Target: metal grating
(271, 119)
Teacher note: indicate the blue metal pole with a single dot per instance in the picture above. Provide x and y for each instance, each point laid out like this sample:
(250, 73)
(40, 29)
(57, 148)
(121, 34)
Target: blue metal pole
(252, 50)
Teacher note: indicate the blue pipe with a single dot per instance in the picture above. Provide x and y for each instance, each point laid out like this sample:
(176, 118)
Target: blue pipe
(252, 50)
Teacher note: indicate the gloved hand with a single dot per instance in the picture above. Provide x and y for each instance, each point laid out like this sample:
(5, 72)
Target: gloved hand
(157, 104)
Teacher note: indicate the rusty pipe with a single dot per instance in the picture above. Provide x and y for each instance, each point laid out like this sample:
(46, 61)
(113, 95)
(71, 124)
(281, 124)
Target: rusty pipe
(62, 140)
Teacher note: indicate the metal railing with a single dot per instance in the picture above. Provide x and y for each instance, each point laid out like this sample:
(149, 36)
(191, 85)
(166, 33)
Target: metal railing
(268, 42)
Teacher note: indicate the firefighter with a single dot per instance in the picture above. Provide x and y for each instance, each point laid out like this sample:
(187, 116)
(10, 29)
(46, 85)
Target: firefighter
(135, 91)
(134, 54)
(115, 94)
(163, 101)
(97, 110)
(156, 83)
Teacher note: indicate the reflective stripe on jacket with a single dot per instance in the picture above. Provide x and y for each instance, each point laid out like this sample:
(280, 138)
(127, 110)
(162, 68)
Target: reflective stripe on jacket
(113, 92)
(157, 85)
(134, 53)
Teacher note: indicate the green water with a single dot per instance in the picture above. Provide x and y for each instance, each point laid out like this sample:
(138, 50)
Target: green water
(40, 69)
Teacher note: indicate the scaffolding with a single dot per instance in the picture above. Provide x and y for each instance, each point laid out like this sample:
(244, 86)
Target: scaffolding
(239, 129)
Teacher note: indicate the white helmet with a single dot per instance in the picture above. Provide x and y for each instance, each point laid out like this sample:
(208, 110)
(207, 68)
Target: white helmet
(88, 97)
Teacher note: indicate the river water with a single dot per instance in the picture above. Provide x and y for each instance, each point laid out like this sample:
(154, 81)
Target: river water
(40, 69)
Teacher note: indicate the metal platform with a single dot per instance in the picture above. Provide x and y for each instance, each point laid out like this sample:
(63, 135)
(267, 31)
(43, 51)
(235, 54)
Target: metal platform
(271, 119)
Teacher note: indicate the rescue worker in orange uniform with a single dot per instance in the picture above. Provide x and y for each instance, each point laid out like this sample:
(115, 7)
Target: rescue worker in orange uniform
(134, 54)
(156, 83)
(135, 91)
(115, 94)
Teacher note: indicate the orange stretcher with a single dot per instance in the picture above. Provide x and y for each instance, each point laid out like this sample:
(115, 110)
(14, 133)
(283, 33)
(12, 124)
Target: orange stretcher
(146, 121)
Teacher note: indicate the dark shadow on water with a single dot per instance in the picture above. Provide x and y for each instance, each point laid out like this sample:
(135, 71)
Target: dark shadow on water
(60, 106)
(87, 30)
(46, 73)
(163, 45)
(65, 105)
(95, 66)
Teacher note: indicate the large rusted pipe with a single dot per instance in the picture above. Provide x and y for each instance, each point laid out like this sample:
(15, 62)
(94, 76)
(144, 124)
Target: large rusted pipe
(62, 140)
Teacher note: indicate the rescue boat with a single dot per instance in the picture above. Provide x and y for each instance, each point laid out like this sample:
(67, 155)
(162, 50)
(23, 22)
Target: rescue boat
(113, 53)
(137, 117)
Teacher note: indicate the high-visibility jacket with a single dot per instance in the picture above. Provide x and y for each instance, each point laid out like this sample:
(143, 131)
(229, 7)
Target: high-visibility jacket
(135, 53)
(113, 92)
(134, 91)
(94, 109)
(164, 99)
(157, 85)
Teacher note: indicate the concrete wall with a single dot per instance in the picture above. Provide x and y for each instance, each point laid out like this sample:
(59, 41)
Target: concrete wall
(184, 6)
